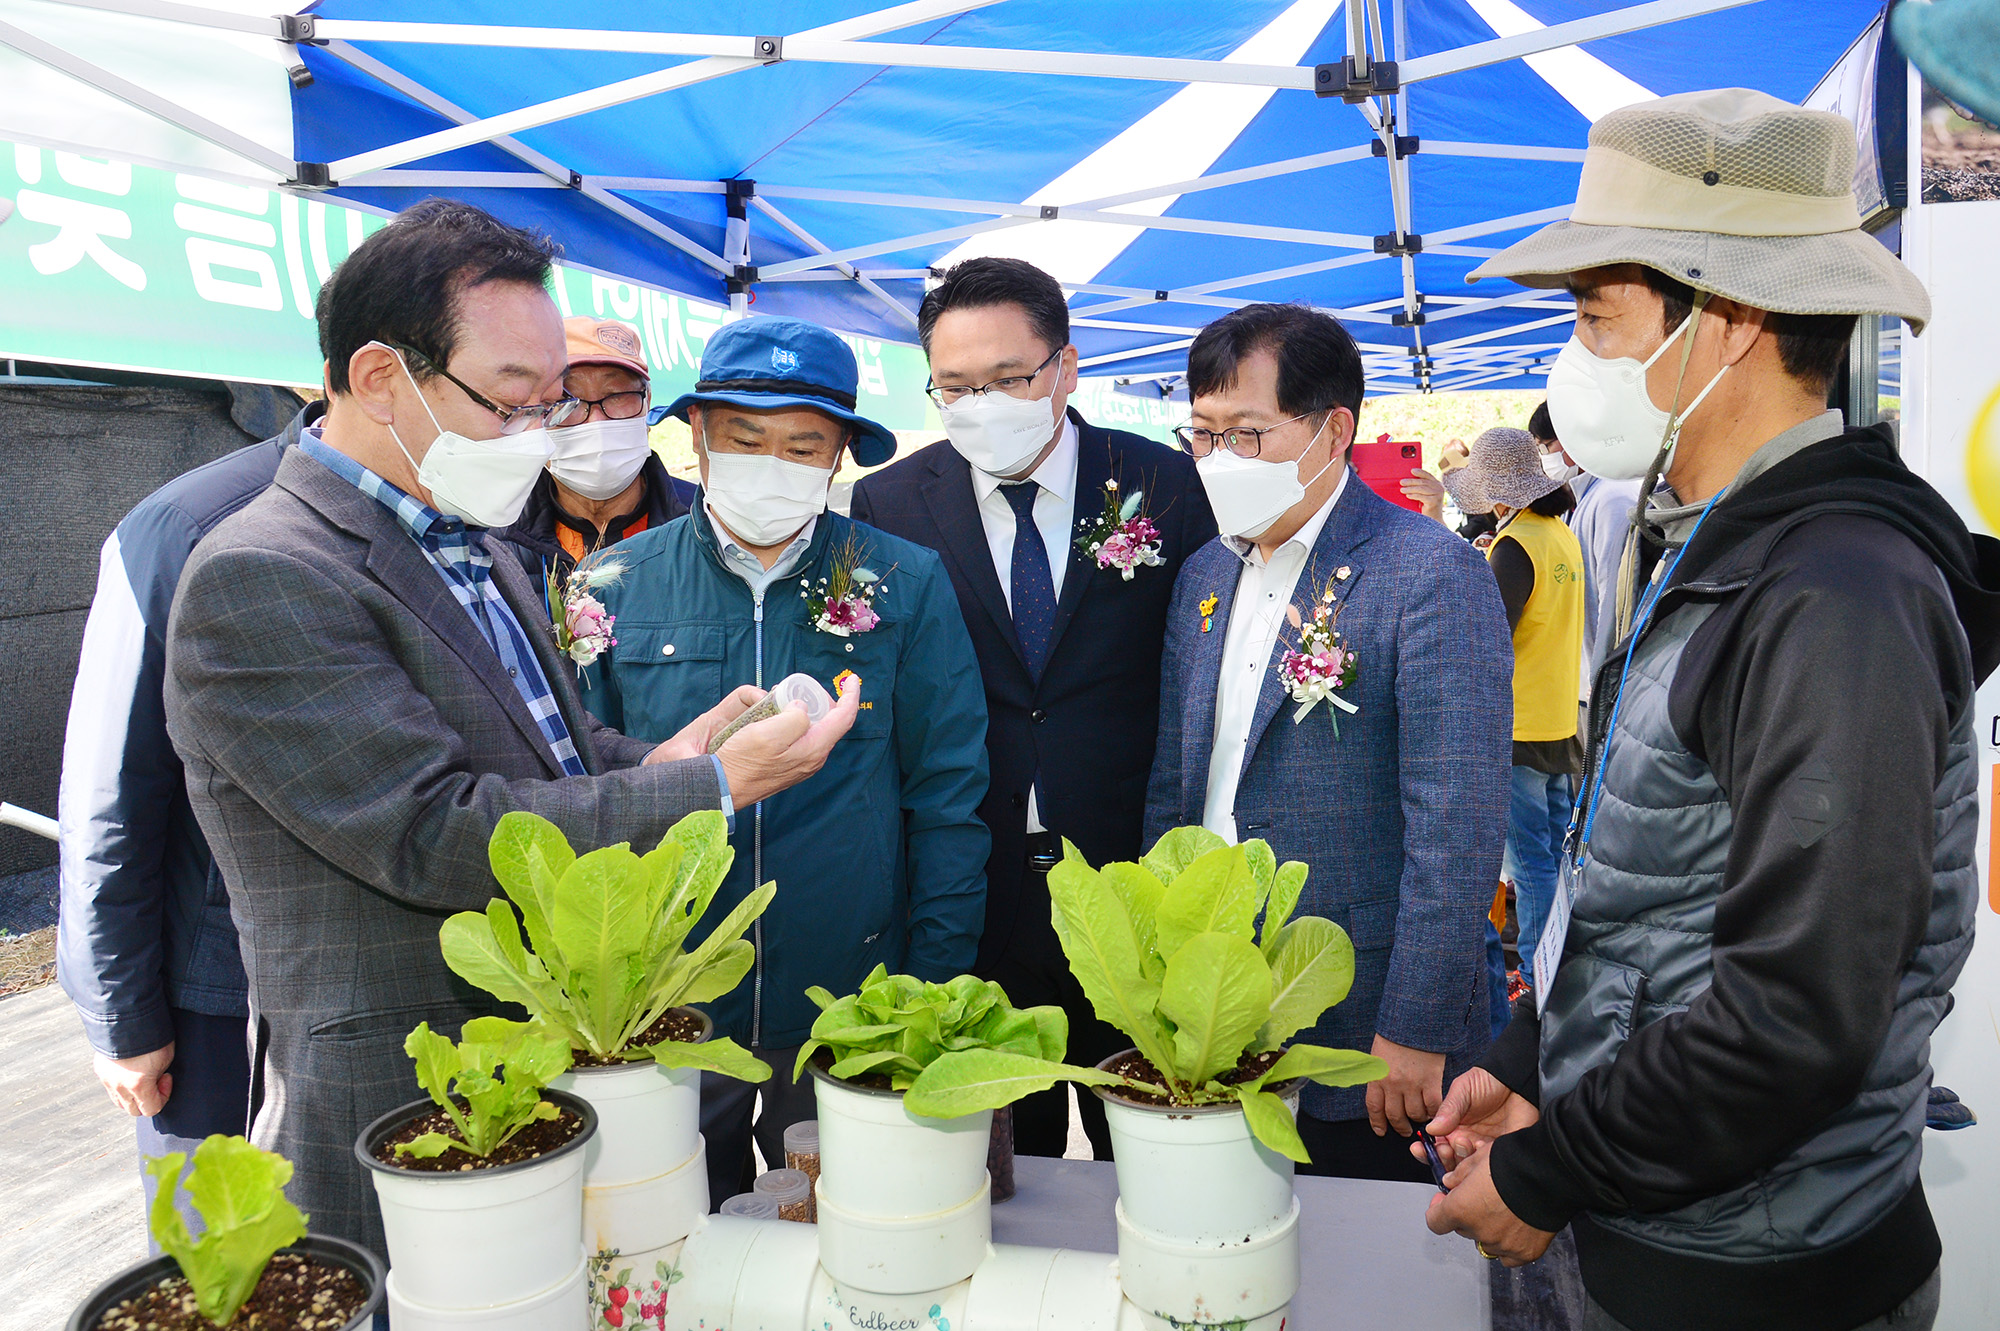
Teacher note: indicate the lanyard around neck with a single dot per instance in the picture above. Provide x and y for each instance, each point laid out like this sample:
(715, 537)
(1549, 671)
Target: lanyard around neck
(1639, 621)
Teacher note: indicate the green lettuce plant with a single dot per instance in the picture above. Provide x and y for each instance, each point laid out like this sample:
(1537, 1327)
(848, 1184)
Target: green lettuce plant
(498, 1070)
(898, 1025)
(239, 1191)
(1169, 950)
(603, 958)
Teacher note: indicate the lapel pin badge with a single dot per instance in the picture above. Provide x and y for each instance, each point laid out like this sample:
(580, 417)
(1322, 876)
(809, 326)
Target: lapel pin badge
(1208, 611)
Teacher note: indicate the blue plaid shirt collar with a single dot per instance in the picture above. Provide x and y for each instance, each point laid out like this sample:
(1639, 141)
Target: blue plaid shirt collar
(467, 570)
(413, 515)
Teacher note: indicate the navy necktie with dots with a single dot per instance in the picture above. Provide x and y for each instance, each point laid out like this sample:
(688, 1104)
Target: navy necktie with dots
(1033, 587)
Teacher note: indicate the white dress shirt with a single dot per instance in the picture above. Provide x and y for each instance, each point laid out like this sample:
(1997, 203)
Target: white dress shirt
(1263, 590)
(1055, 518)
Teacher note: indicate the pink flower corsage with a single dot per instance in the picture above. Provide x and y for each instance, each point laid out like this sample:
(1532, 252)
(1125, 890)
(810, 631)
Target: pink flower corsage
(1322, 664)
(1122, 536)
(843, 602)
(582, 625)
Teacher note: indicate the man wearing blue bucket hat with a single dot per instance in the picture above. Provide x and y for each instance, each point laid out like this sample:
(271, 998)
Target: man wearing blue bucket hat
(881, 857)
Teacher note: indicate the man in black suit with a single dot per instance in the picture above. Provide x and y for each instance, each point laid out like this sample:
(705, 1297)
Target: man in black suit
(1069, 640)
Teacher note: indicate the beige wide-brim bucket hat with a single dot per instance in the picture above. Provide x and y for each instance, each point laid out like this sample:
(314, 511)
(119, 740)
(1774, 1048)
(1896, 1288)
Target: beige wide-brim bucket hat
(1505, 468)
(1732, 192)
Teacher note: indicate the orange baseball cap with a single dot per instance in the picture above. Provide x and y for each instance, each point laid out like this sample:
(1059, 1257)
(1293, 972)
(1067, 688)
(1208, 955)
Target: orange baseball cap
(604, 342)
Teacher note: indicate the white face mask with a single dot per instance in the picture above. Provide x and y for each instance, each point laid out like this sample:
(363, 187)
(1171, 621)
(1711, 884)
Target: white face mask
(486, 482)
(598, 459)
(1556, 469)
(998, 434)
(764, 500)
(1604, 415)
(1249, 495)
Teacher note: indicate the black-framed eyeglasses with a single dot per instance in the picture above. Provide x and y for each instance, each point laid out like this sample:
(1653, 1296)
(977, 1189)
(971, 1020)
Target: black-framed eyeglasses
(513, 420)
(1014, 385)
(620, 406)
(1242, 440)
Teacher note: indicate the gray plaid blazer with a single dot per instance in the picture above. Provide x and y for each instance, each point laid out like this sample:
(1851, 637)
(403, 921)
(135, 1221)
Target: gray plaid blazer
(350, 740)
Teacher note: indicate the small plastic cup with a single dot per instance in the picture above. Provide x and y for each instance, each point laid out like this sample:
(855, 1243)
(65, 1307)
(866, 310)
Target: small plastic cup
(791, 1190)
(751, 1206)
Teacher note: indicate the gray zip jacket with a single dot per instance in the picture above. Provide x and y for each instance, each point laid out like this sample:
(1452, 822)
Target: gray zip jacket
(1776, 897)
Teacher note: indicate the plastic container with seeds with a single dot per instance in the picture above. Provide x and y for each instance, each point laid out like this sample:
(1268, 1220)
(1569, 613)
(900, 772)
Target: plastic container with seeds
(802, 1154)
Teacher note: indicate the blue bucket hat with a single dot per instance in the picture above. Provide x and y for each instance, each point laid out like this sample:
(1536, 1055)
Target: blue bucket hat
(776, 364)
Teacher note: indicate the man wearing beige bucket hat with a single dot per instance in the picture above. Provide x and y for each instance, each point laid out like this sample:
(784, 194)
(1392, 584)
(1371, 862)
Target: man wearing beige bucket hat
(1768, 888)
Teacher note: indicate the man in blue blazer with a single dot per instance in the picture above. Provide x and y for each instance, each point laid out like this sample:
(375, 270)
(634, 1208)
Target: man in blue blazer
(1392, 783)
(1068, 642)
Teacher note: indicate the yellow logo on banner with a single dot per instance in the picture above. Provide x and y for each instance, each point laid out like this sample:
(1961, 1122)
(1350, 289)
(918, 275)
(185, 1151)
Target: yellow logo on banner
(1982, 461)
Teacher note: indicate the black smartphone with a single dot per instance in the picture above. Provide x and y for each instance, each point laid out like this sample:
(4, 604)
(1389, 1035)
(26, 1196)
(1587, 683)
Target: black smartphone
(1437, 1161)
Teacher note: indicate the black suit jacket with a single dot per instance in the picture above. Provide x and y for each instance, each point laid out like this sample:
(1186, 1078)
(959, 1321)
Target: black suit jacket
(1090, 724)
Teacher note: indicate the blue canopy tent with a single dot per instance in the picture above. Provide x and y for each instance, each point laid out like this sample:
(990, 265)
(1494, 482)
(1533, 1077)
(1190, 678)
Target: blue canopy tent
(1165, 159)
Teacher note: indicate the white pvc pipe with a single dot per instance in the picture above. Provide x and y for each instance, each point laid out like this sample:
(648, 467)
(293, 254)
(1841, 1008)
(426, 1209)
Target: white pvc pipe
(26, 819)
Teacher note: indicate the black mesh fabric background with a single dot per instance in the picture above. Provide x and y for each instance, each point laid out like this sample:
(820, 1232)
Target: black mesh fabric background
(74, 461)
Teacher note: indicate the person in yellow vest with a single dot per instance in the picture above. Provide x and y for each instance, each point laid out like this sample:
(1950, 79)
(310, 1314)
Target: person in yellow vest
(1539, 566)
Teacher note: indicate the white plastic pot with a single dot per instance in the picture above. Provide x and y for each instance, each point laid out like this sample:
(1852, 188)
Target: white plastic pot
(879, 1160)
(1196, 1174)
(648, 1117)
(480, 1238)
(1207, 1220)
(563, 1307)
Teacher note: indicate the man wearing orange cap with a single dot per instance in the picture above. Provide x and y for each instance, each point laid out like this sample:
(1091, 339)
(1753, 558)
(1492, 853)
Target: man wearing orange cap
(604, 482)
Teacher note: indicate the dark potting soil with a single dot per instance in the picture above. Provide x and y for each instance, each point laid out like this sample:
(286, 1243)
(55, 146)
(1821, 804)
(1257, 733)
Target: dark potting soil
(537, 1139)
(1139, 1068)
(294, 1294)
(679, 1024)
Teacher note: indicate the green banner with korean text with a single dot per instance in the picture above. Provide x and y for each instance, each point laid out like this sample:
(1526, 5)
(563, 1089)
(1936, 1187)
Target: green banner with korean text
(108, 265)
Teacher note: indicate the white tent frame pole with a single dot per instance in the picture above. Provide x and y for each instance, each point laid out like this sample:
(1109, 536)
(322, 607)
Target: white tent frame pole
(1196, 226)
(1575, 32)
(552, 171)
(1437, 315)
(1492, 333)
(837, 257)
(193, 15)
(1523, 152)
(397, 178)
(1224, 284)
(1509, 223)
(136, 159)
(1159, 348)
(627, 90)
(873, 288)
(820, 47)
(450, 110)
(140, 99)
(646, 222)
(531, 117)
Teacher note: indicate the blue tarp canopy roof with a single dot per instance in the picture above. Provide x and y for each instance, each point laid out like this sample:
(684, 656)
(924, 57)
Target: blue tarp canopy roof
(1166, 159)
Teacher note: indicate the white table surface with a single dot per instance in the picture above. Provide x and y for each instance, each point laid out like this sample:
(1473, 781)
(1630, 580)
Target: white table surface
(1366, 1258)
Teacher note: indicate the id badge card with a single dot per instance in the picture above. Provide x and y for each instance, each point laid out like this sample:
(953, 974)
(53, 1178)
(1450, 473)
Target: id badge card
(1548, 951)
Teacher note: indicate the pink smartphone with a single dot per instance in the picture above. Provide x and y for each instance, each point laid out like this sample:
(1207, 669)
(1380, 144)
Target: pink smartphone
(1384, 465)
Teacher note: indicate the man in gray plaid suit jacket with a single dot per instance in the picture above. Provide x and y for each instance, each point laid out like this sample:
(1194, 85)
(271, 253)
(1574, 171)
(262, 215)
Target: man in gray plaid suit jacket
(359, 688)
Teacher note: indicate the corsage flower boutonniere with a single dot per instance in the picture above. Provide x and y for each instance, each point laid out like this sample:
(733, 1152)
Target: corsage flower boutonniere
(842, 603)
(1122, 536)
(582, 625)
(1322, 664)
